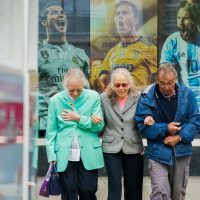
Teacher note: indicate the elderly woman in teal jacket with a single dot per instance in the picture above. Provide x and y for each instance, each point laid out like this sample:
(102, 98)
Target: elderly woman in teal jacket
(74, 121)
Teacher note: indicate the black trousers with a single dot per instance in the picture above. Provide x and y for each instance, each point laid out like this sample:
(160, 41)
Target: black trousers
(77, 181)
(129, 165)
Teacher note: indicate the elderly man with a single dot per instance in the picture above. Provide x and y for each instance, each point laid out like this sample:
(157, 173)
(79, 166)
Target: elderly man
(133, 52)
(56, 56)
(74, 121)
(168, 116)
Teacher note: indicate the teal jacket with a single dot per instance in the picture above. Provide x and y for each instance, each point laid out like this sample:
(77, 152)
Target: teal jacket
(60, 133)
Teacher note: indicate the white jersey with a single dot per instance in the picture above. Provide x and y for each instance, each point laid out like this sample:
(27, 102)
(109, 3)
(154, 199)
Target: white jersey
(187, 55)
(53, 62)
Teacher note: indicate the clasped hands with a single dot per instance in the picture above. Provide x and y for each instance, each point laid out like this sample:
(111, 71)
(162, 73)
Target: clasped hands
(73, 115)
(70, 115)
(173, 128)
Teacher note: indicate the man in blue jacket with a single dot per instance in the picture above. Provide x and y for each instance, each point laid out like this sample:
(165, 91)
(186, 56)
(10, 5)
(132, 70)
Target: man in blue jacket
(168, 116)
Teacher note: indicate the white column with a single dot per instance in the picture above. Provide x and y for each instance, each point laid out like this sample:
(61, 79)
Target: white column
(25, 32)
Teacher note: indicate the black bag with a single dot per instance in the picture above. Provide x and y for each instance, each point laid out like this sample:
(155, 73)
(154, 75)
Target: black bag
(54, 185)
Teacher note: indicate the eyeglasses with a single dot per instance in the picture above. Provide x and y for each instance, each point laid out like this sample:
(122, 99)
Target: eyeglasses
(73, 90)
(118, 85)
(168, 84)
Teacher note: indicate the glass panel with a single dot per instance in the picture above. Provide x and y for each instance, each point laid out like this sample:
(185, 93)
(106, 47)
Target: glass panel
(83, 6)
(11, 134)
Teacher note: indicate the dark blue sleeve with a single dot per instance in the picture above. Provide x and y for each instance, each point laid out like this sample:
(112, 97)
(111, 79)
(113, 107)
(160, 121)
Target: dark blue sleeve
(157, 130)
(192, 122)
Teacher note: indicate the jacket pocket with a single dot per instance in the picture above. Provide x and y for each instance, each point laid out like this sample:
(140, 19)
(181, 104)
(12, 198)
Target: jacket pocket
(108, 139)
(96, 144)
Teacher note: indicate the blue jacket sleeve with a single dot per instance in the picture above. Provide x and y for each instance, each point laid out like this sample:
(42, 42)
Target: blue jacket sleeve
(192, 122)
(157, 130)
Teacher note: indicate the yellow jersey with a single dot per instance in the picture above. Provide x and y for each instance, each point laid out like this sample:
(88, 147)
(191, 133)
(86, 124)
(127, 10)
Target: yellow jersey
(140, 58)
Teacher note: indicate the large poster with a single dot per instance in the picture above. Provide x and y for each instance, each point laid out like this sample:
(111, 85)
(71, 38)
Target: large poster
(97, 36)
(64, 39)
(180, 40)
(123, 34)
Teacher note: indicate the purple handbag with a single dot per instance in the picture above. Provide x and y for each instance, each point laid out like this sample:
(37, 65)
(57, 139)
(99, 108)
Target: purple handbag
(44, 190)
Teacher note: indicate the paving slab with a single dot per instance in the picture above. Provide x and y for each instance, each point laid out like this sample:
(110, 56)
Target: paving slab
(192, 189)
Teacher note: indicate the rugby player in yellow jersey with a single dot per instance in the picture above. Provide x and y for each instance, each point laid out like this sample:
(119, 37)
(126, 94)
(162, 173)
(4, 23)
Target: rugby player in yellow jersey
(133, 52)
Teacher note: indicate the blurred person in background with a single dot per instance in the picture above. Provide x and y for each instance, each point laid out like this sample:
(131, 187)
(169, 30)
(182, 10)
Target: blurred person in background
(122, 143)
(74, 121)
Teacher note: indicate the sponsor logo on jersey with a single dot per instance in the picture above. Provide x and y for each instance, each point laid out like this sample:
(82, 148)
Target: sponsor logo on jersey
(129, 67)
(182, 54)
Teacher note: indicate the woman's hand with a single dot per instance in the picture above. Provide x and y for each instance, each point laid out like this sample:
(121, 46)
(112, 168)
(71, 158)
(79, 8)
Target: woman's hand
(51, 162)
(96, 119)
(149, 121)
(73, 115)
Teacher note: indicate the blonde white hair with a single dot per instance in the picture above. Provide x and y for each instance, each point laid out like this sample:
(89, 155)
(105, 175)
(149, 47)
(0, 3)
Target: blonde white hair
(124, 72)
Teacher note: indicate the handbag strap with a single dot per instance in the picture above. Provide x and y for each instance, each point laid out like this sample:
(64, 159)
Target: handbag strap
(54, 168)
(48, 175)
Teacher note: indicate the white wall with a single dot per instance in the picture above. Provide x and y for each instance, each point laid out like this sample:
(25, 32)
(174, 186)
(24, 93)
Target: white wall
(12, 33)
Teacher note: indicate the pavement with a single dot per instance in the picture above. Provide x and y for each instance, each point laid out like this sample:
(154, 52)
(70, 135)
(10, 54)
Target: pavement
(192, 193)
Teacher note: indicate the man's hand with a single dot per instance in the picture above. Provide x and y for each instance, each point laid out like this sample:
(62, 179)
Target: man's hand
(173, 128)
(96, 119)
(172, 140)
(149, 121)
(73, 115)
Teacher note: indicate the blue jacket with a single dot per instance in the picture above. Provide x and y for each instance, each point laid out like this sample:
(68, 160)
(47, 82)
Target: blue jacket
(187, 114)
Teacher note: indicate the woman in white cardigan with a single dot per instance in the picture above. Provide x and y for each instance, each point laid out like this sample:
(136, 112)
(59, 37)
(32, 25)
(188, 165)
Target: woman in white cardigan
(122, 144)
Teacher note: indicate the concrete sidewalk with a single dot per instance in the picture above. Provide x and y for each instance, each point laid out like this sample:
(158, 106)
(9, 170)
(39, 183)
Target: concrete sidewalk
(193, 189)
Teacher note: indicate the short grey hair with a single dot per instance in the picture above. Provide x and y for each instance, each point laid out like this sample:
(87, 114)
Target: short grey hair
(166, 68)
(74, 74)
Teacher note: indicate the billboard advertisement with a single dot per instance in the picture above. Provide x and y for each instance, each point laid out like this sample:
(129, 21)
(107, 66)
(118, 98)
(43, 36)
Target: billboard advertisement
(99, 36)
(179, 41)
(87, 34)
